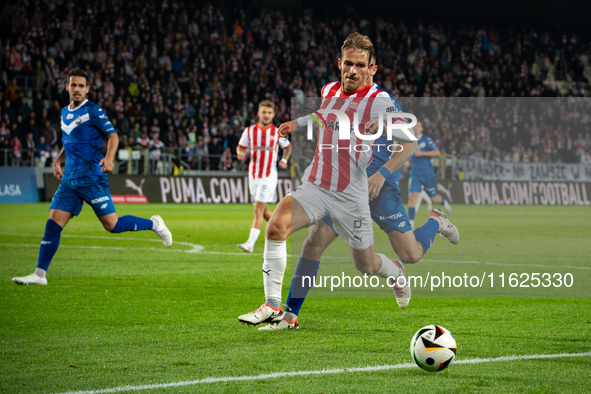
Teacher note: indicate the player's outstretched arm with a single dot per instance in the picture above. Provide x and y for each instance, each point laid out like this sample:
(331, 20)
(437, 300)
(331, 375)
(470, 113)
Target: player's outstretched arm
(287, 128)
(107, 161)
(429, 153)
(57, 165)
(376, 181)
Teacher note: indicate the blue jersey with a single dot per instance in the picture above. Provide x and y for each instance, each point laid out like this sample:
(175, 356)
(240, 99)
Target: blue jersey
(84, 131)
(422, 164)
(382, 151)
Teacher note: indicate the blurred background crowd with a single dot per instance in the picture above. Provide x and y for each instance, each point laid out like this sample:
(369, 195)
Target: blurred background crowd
(182, 79)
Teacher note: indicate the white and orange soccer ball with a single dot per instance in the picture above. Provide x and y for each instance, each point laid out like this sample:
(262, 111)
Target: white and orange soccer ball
(433, 348)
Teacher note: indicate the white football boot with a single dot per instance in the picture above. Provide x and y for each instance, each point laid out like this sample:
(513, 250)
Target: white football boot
(162, 231)
(401, 287)
(246, 247)
(28, 280)
(264, 314)
(447, 207)
(446, 228)
(282, 325)
(427, 200)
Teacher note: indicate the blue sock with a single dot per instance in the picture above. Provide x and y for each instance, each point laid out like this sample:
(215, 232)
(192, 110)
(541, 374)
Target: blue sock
(298, 290)
(426, 234)
(49, 245)
(132, 223)
(442, 200)
(411, 213)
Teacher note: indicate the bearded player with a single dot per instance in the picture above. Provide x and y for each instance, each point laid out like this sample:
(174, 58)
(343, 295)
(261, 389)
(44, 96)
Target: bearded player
(263, 142)
(336, 184)
(85, 126)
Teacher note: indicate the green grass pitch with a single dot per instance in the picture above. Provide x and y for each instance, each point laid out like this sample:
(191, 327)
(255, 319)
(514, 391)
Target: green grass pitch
(122, 310)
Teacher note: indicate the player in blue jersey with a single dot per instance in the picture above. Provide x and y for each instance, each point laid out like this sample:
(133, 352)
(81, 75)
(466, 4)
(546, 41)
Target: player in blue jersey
(386, 210)
(85, 126)
(422, 173)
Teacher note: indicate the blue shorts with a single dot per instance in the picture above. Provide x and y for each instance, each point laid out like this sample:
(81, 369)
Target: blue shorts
(386, 210)
(94, 190)
(427, 179)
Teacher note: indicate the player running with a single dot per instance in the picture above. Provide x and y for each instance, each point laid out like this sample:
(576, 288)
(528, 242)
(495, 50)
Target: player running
(386, 210)
(263, 142)
(85, 126)
(422, 173)
(335, 183)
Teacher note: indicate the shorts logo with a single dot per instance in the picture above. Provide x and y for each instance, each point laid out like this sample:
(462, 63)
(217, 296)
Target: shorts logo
(393, 217)
(104, 206)
(100, 199)
(402, 224)
(357, 223)
(70, 116)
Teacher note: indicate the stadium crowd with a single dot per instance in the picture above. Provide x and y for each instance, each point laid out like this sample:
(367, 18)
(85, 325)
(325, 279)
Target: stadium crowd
(186, 78)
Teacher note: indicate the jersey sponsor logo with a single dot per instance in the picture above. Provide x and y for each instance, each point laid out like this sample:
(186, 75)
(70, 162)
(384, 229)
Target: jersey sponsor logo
(100, 199)
(345, 131)
(70, 116)
(68, 128)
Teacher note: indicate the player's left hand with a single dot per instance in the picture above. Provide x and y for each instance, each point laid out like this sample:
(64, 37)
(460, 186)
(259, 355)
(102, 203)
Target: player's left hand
(287, 127)
(107, 166)
(372, 127)
(283, 164)
(375, 183)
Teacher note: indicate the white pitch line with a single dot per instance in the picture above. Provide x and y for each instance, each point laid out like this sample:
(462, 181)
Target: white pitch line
(195, 248)
(484, 263)
(319, 372)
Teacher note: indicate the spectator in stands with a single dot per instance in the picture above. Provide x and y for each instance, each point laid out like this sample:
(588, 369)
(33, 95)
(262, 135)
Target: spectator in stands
(42, 151)
(13, 91)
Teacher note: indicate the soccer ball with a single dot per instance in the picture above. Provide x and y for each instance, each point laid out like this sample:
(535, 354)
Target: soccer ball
(433, 348)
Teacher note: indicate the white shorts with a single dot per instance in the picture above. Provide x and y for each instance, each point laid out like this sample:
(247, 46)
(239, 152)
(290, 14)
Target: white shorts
(262, 190)
(350, 214)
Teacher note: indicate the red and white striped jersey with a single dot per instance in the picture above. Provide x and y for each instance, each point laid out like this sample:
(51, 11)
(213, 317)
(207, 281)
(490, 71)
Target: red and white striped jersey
(264, 145)
(342, 168)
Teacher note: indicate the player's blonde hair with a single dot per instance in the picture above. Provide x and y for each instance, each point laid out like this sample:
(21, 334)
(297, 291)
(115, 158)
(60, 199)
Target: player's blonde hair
(267, 103)
(358, 41)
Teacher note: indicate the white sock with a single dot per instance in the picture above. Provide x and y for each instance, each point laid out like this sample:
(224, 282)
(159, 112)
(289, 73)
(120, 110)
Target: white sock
(254, 235)
(40, 272)
(275, 261)
(412, 223)
(388, 268)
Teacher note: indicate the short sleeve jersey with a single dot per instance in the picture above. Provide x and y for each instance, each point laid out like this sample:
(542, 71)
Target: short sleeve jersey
(84, 130)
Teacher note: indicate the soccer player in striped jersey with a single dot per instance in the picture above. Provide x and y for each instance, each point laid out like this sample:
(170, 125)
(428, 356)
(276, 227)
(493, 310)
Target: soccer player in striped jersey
(85, 126)
(336, 183)
(386, 210)
(262, 142)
